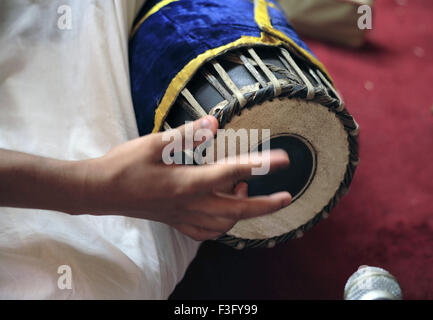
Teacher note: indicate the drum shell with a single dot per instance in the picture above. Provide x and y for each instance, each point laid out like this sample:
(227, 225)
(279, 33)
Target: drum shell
(160, 70)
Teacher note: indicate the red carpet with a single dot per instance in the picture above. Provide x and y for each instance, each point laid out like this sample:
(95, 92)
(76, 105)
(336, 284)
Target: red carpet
(387, 218)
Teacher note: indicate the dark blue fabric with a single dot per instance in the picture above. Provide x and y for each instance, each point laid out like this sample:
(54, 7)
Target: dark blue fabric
(169, 39)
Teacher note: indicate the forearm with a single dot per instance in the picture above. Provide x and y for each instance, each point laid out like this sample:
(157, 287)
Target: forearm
(28, 181)
(132, 180)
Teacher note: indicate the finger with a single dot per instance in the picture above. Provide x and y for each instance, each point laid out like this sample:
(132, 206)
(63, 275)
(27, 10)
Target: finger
(244, 208)
(241, 190)
(262, 205)
(228, 188)
(189, 135)
(196, 233)
(238, 189)
(210, 222)
(213, 177)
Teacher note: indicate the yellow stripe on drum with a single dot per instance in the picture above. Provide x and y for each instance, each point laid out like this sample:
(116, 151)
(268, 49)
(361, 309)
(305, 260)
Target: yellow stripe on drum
(154, 9)
(261, 13)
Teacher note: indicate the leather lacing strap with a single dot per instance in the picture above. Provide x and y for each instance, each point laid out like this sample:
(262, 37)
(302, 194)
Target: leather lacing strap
(193, 103)
(266, 71)
(316, 78)
(216, 84)
(289, 68)
(295, 84)
(250, 67)
(310, 87)
(229, 83)
(166, 126)
(331, 87)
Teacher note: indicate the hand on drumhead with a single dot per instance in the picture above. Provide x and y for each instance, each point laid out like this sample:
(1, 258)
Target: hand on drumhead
(132, 180)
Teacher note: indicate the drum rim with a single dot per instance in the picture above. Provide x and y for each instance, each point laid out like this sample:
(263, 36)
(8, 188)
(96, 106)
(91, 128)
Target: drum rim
(352, 135)
(323, 98)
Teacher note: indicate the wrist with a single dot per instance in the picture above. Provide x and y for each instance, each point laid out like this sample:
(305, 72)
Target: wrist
(88, 188)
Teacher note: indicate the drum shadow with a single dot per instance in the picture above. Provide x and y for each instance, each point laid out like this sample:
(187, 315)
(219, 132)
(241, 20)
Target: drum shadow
(223, 273)
(371, 48)
(368, 49)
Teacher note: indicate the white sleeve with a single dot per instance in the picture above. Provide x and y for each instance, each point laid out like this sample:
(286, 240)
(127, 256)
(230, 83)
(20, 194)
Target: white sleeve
(64, 93)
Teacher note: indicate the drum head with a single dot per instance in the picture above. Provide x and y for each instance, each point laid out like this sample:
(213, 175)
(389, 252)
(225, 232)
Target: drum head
(317, 144)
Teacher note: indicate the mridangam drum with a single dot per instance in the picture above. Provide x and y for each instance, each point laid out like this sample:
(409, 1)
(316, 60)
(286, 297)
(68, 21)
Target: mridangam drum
(242, 62)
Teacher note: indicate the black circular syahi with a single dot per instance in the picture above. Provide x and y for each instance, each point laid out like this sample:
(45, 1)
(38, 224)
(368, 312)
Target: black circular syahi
(294, 179)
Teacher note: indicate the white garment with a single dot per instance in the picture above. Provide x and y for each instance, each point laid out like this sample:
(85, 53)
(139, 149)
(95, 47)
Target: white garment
(64, 93)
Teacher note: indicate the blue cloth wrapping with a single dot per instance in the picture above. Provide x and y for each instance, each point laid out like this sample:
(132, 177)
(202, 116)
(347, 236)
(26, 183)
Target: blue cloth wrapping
(179, 32)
